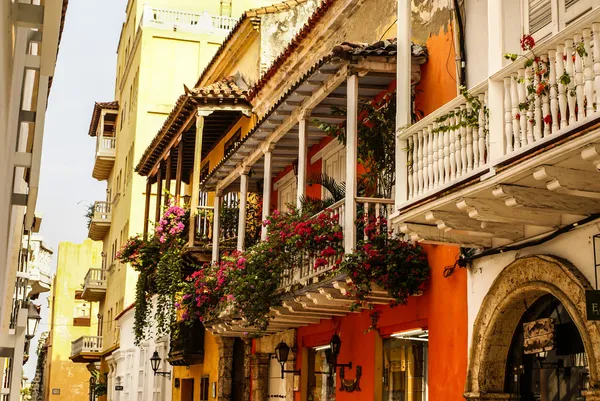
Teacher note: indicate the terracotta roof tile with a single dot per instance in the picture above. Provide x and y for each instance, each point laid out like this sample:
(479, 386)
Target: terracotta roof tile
(232, 90)
(98, 107)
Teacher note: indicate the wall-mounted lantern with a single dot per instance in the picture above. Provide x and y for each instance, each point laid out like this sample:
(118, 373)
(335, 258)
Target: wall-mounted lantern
(332, 353)
(282, 351)
(33, 320)
(155, 363)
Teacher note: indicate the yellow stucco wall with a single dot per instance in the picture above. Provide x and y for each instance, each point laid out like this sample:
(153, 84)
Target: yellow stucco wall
(71, 378)
(210, 367)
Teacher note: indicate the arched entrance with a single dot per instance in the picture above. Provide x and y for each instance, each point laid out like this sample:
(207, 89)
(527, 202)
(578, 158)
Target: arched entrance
(517, 288)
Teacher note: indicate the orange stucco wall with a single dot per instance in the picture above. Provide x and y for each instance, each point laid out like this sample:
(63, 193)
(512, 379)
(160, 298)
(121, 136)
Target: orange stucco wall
(442, 309)
(438, 75)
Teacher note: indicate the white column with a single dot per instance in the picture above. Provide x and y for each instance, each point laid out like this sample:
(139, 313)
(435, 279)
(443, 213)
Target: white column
(196, 174)
(302, 152)
(216, 235)
(403, 102)
(17, 365)
(496, 88)
(267, 188)
(351, 154)
(241, 234)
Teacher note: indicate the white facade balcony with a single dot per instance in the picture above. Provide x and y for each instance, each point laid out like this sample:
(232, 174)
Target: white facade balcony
(94, 285)
(500, 168)
(176, 20)
(86, 349)
(100, 223)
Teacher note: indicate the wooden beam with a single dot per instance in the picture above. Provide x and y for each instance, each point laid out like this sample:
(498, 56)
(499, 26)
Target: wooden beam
(447, 221)
(147, 207)
(431, 234)
(491, 210)
(542, 199)
(168, 178)
(179, 172)
(158, 194)
(309, 306)
(565, 180)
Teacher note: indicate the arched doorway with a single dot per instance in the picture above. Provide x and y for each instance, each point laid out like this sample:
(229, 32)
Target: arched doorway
(528, 289)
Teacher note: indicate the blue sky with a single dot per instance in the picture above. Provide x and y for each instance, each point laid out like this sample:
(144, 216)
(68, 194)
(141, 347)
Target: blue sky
(85, 73)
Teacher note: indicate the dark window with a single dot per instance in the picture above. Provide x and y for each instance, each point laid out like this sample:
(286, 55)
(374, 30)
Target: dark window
(204, 384)
(231, 142)
(237, 385)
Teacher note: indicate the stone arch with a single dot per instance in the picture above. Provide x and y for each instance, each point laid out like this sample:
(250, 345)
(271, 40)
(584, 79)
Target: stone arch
(520, 284)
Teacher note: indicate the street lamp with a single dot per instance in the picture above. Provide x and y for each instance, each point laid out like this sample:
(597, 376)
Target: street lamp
(155, 363)
(335, 345)
(282, 351)
(33, 320)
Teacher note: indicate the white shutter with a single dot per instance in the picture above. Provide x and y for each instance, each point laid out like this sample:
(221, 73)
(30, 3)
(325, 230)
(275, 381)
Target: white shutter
(570, 10)
(538, 18)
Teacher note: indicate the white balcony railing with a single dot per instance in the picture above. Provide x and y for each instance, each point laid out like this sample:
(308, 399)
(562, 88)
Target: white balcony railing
(95, 279)
(376, 207)
(104, 143)
(86, 344)
(466, 137)
(102, 211)
(186, 21)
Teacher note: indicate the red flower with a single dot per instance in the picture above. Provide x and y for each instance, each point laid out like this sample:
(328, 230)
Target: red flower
(540, 88)
(548, 119)
(527, 42)
(517, 116)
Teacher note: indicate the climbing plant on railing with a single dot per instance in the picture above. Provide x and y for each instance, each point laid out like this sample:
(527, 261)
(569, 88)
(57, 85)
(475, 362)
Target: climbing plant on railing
(464, 117)
(399, 267)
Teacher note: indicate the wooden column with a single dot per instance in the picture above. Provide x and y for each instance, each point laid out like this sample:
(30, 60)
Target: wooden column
(351, 155)
(216, 234)
(179, 171)
(196, 174)
(267, 189)
(302, 151)
(158, 192)
(241, 234)
(147, 206)
(168, 178)
(403, 102)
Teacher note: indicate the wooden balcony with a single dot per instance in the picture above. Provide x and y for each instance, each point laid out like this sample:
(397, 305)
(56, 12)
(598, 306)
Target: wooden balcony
(86, 349)
(188, 347)
(94, 286)
(517, 169)
(100, 223)
(313, 294)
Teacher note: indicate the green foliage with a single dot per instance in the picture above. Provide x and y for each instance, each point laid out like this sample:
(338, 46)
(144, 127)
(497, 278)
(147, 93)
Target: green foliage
(89, 214)
(100, 380)
(467, 117)
(399, 267)
(169, 275)
(376, 142)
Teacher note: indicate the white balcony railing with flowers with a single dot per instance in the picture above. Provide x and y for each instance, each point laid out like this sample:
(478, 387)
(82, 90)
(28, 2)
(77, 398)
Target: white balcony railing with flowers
(548, 92)
(377, 207)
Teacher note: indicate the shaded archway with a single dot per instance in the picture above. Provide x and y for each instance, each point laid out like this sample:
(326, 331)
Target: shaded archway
(520, 284)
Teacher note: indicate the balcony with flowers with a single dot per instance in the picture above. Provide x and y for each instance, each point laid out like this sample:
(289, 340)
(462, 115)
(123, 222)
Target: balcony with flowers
(513, 158)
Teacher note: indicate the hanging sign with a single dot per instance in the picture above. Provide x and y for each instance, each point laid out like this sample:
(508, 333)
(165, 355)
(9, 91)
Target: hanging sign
(538, 336)
(592, 304)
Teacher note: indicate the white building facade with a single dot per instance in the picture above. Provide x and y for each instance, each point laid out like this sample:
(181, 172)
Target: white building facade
(510, 172)
(130, 376)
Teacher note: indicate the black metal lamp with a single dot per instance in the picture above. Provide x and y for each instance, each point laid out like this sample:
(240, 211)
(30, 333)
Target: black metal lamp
(33, 320)
(282, 351)
(331, 354)
(155, 363)
(295, 167)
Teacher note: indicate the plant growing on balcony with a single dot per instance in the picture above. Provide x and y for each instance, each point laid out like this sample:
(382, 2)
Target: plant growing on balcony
(376, 142)
(395, 265)
(89, 214)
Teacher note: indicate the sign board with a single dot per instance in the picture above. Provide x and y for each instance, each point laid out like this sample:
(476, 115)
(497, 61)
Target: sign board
(538, 336)
(592, 304)
(55, 391)
(118, 388)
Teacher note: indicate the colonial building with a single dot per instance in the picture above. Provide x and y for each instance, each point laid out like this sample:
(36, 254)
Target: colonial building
(508, 171)
(250, 148)
(71, 317)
